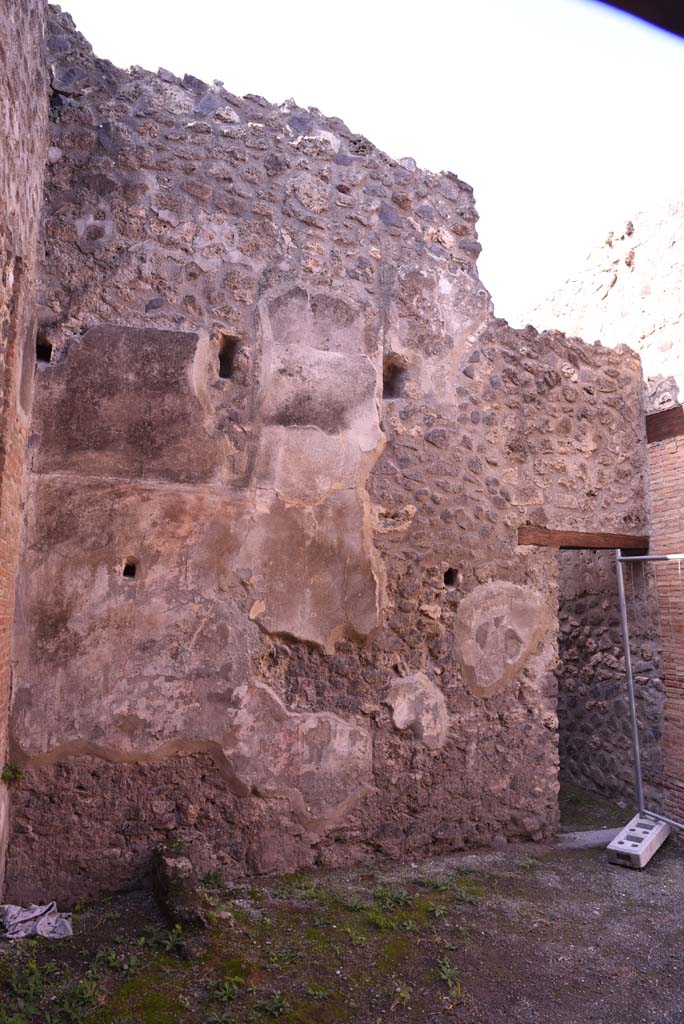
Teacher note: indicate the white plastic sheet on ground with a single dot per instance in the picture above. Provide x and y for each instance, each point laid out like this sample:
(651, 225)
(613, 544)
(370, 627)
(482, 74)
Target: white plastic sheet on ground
(23, 922)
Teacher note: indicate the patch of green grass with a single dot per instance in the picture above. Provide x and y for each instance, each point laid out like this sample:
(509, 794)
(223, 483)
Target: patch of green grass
(284, 957)
(295, 950)
(355, 936)
(26, 987)
(151, 996)
(355, 905)
(28, 990)
(463, 888)
(393, 952)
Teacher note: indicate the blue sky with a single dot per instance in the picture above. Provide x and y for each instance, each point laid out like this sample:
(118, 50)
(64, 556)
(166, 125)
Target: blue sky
(564, 115)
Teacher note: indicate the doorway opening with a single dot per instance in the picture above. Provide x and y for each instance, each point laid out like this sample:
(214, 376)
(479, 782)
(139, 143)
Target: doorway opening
(594, 730)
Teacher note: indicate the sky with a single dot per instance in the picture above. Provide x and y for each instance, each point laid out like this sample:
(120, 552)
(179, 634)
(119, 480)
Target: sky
(562, 114)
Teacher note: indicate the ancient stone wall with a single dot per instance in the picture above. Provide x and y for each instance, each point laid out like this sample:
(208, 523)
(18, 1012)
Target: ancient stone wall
(630, 291)
(593, 713)
(272, 600)
(23, 123)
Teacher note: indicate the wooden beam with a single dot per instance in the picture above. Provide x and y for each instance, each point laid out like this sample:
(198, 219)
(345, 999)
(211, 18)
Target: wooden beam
(577, 539)
(660, 426)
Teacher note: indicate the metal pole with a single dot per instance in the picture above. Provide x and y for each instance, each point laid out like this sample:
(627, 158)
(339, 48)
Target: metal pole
(650, 558)
(630, 683)
(661, 817)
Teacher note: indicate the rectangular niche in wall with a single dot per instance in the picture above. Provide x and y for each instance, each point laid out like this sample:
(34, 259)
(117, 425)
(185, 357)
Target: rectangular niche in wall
(228, 347)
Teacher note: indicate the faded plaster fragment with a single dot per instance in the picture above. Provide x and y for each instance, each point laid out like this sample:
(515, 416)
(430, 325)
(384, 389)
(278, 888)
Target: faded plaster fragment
(312, 570)
(498, 625)
(418, 706)
(308, 558)
(121, 402)
(320, 759)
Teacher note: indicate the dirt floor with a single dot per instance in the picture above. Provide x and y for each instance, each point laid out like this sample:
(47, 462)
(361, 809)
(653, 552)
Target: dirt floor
(527, 934)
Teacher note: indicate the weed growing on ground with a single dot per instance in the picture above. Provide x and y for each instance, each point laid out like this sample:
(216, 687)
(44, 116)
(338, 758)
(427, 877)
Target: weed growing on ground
(227, 988)
(449, 974)
(355, 905)
(403, 997)
(356, 937)
(108, 959)
(173, 940)
(27, 987)
(390, 899)
(275, 1006)
(284, 957)
(213, 880)
(382, 921)
(318, 993)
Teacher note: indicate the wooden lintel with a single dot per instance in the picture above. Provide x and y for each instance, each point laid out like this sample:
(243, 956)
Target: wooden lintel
(577, 539)
(661, 426)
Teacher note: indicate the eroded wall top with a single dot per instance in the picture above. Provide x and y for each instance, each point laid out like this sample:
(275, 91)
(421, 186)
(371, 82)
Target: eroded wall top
(630, 292)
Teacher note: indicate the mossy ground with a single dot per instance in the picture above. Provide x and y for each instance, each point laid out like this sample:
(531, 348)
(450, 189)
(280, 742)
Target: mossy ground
(299, 948)
(528, 935)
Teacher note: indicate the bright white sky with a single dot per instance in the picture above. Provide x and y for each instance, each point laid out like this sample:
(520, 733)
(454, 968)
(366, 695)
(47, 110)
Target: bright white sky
(564, 115)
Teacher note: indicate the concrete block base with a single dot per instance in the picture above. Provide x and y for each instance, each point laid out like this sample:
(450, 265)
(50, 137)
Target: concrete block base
(638, 841)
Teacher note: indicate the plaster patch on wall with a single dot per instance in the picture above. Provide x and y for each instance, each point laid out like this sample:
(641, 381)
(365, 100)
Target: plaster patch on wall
(319, 760)
(311, 570)
(418, 706)
(308, 558)
(498, 625)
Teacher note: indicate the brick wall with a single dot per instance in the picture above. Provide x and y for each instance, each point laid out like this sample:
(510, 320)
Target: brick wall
(666, 470)
(23, 128)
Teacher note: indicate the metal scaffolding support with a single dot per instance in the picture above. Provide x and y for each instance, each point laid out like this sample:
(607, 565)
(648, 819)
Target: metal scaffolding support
(669, 606)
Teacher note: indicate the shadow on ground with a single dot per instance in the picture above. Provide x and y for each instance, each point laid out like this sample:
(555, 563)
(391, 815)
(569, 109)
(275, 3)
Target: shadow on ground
(528, 934)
